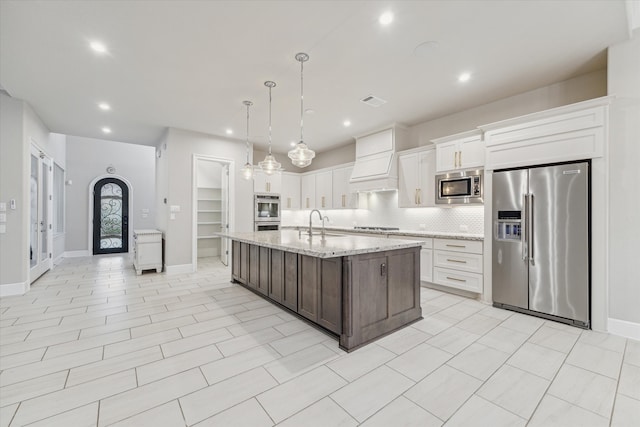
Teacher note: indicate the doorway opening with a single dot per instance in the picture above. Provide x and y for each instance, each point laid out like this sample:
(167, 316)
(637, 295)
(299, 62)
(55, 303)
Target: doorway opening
(110, 216)
(211, 209)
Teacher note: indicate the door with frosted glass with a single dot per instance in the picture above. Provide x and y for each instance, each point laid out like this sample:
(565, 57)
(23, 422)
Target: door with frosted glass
(40, 213)
(110, 216)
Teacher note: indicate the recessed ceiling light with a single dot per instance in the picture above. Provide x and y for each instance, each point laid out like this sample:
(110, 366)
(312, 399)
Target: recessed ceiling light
(309, 111)
(104, 106)
(106, 130)
(464, 77)
(229, 131)
(98, 47)
(292, 143)
(346, 123)
(386, 18)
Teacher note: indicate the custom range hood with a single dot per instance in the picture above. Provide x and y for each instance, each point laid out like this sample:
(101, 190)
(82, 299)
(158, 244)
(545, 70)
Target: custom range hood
(376, 166)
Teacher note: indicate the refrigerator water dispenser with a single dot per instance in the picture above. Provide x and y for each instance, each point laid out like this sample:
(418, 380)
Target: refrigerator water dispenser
(509, 226)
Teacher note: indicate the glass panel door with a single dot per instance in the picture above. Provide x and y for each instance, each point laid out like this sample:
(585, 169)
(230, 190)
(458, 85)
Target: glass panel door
(110, 217)
(40, 227)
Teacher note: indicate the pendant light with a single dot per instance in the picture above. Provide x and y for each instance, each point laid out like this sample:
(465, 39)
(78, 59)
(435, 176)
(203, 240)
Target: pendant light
(247, 171)
(269, 165)
(301, 155)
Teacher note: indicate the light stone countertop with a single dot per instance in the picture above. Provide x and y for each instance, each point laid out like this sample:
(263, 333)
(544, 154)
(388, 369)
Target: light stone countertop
(332, 245)
(399, 233)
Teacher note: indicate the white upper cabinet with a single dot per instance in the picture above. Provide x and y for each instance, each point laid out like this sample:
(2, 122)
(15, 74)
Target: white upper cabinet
(461, 151)
(416, 183)
(324, 190)
(308, 192)
(263, 183)
(342, 198)
(290, 195)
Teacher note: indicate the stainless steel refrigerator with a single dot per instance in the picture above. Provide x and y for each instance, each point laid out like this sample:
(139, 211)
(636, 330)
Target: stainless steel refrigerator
(541, 243)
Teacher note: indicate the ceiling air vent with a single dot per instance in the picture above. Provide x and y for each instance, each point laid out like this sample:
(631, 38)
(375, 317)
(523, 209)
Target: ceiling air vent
(373, 101)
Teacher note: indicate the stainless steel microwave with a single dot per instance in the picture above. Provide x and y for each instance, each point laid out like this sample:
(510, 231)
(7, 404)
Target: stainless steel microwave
(460, 187)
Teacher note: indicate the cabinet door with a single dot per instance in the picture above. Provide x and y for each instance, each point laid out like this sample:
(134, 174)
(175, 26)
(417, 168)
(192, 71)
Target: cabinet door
(244, 263)
(324, 190)
(290, 199)
(426, 265)
(308, 192)
(254, 266)
(408, 181)
(276, 275)
(274, 183)
(259, 182)
(308, 287)
(290, 282)
(446, 156)
(263, 270)
(427, 177)
(330, 294)
(472, 153)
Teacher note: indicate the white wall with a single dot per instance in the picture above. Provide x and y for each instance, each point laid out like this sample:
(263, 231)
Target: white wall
(88, 159)
(177, 187)
(14, 249)
(58, 144)
(624, 200)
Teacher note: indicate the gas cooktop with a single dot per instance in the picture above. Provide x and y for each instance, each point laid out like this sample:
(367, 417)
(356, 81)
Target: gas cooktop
(377, 228)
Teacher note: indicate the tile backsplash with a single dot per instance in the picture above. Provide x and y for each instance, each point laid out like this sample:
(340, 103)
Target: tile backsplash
(383, 211)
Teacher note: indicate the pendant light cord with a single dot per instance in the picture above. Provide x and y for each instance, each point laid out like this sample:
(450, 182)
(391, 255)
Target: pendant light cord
(270, 120)
(247, 104)
(301, 101)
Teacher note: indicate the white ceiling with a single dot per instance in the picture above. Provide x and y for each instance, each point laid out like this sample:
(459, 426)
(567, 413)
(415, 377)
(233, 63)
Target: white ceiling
(190, 64)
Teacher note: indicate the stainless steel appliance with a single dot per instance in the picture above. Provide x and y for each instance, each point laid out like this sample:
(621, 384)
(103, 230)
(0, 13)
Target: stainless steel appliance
(460, 187)
(267, 226)
(266, 212)
(541, 242)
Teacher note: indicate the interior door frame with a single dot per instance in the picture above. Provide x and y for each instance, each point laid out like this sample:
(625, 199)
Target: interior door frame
(92, 184)
(46, 264)
(194, 200)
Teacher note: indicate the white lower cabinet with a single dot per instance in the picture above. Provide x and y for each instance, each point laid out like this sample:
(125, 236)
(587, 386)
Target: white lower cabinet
(147, 250)
(458, 264)
(426, 264)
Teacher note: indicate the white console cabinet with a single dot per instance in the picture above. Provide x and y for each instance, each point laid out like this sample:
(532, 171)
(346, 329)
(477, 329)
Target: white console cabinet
(147, 250)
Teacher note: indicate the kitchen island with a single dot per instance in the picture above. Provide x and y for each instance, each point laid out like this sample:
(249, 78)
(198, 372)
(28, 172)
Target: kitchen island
(359, 288)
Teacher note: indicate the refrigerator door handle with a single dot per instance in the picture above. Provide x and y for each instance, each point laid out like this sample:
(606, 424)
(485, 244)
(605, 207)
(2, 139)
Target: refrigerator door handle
(531, 230)
(525, 238)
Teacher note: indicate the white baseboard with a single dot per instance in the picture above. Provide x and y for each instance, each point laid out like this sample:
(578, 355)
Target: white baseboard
(624, 328)
(14, 289)
(179, 269)
(76, 254)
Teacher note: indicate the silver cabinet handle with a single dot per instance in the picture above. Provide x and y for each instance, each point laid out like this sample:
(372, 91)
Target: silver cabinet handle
(289, 202)
(322, 198)
(415, 197)
(460, 158)
(455, 246)
(456, 260)
(307, 203)
(455, 159)
(455, 279)
(344, 197)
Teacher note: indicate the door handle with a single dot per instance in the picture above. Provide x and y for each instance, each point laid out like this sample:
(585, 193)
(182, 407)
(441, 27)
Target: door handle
(525, 219)
(460, 158)
(531, 231)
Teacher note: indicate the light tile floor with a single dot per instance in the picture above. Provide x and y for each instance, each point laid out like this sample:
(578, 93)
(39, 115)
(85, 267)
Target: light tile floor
(92, 344)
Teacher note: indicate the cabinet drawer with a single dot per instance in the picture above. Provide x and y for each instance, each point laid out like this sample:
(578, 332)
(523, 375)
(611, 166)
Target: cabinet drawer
(148, 238)
(458, 261)
(471, 282)
(458, 245)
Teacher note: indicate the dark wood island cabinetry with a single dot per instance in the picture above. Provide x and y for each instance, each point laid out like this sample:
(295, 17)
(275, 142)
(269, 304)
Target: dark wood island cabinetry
(359, 288)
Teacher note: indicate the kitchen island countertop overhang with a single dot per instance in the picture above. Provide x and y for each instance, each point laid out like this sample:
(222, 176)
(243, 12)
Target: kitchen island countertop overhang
(357, 287)
(328, 246)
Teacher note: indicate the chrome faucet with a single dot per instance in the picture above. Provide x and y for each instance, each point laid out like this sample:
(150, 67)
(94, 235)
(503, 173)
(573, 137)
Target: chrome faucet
(311, 225)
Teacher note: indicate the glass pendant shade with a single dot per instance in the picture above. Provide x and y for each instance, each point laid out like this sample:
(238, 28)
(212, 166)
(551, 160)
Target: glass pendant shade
(247, 170)
(270, 165)
(301, 155)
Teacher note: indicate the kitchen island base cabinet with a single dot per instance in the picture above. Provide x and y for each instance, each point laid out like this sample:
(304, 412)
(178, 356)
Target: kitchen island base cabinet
(382, 294)
(358, 297)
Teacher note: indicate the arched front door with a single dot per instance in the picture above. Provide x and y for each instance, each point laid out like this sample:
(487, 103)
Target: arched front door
(110, 216)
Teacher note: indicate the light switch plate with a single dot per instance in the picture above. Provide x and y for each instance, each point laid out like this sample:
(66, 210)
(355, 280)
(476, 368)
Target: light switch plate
(3, 207)
(3, 217)
(174, 208)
